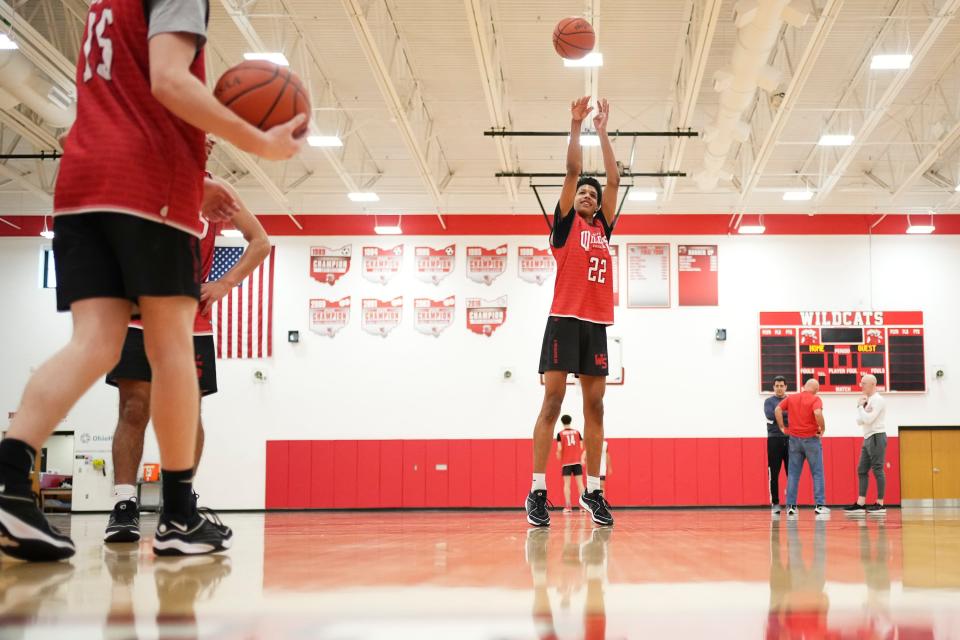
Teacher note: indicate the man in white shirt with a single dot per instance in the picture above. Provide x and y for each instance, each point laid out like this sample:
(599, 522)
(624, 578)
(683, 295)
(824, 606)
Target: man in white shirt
(872, 417)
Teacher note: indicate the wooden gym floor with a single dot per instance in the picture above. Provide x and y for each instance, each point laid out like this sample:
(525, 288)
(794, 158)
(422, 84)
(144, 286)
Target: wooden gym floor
(477, 575)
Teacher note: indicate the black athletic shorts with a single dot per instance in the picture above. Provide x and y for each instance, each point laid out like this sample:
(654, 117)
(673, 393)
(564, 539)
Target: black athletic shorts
(572, 470)
(134, 365)
(574, 346)
(115, 255)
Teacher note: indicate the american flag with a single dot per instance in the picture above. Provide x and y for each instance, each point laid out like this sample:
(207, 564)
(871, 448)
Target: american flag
(243, 319)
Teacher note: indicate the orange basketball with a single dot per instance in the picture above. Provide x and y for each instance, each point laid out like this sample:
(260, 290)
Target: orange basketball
(263, 93)
(573, 38)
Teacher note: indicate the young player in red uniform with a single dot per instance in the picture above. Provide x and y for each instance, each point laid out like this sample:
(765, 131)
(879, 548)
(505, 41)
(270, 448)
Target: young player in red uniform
(575, 340)
(132, 376)
(569, 453)
(126, 224)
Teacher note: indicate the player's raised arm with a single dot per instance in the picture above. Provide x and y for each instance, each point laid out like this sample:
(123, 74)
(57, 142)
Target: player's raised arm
(609, 201)
(579, 110)
(172, 84)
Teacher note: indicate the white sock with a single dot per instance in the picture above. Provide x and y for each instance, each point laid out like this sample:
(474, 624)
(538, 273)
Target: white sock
(539, 482)
(593, 484)
(122, 492)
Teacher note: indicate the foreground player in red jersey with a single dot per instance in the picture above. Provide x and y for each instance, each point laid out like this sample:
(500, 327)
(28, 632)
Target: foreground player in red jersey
(132, 376)
(575, 340)
(126, 224)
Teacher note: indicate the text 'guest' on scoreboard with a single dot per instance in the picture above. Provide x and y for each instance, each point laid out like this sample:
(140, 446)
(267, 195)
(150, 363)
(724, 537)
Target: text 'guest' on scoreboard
(838, 347)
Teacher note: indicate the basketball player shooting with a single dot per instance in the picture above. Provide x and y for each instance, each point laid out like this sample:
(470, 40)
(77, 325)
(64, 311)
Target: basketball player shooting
(575, 339)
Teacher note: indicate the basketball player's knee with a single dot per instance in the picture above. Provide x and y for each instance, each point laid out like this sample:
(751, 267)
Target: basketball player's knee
(169, 353)
(135, 413)
(593, 407)
(102, 352)
(552, 403)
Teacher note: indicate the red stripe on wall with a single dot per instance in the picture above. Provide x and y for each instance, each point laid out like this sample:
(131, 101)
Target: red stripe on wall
(347, 474)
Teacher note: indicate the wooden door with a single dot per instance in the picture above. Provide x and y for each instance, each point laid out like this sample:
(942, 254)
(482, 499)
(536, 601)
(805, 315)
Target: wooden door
(946, 464)
(916, 464)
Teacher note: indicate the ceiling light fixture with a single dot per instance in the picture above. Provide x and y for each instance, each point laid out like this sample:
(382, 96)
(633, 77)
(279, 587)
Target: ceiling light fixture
(835, 140)
(270, 56)
(642, 196)
(324, 141)
(587, 140)
(6, 44)
(593, 59)
(891, 61)
(798, 195)
(920, 229)
(46, 233)
(363, 196)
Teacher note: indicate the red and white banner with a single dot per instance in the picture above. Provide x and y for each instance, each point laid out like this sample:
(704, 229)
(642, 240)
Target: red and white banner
(433, 265)
(485, 316)
(486, 265)
(432, 317)
(328, 265)
(648, 275)
(535, 265)
(698, 267)
(380, 317)
(327, 317)
(381, 265)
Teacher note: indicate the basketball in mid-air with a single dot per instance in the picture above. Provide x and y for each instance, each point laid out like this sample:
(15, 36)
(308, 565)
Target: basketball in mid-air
(264, 94)
(573, 38)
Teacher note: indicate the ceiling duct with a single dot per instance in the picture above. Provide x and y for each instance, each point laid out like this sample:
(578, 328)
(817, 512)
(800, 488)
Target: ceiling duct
(22, 82)
(758, 28)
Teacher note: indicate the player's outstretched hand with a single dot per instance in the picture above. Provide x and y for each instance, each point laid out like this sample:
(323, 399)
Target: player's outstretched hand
(219, 205)
(580, 108)
(603, 114)
(279, 142)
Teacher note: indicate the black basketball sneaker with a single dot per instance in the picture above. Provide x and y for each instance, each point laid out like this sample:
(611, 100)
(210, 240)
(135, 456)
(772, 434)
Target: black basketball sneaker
(596, 504)
(536, 505)
(124, 525)
(25, 533)
(203, 532)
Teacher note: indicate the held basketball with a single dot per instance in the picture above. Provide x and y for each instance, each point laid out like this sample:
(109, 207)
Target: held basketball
(264, 94)
(573, 38)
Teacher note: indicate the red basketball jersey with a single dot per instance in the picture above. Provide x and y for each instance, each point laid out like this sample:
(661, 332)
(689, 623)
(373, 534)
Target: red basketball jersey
(570, 446)
(126, 153)
(202, 323)
(584, 284)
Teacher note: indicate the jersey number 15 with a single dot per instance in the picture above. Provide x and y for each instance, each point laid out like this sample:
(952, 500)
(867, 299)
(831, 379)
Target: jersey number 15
(106, 45)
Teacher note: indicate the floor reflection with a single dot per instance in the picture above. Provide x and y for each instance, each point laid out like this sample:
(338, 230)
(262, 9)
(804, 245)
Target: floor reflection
(479, 575)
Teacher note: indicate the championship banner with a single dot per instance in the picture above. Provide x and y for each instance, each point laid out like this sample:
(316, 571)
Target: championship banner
(327, 317)
(380, 265)
(615, 273)
(433, 265)
(485, 316)
(432, 317)
(648, 275)
(535, 265)
(380, 317)
(486, 265)
(329, 265)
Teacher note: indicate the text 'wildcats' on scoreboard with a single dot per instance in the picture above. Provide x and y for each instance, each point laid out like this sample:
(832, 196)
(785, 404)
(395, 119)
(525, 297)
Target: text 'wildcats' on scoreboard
(837, 348)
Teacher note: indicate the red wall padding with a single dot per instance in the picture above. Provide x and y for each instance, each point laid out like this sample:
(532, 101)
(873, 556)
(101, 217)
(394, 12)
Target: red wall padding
(368, 474)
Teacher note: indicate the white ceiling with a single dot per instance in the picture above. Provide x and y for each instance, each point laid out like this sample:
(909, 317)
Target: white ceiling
(457, 67)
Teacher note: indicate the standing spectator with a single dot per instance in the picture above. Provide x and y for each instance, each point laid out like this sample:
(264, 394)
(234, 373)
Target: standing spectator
(872, 417)
(778, 444)
(806, 430)
(569, 453)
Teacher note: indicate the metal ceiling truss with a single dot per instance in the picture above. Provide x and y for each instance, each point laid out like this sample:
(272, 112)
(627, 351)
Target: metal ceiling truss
(871, 110)
(481, 24)
(378, 33)
(693, 63)
(770, 119)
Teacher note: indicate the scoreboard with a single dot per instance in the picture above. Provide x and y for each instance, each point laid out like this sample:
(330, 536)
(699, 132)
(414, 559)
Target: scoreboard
(838, 347)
